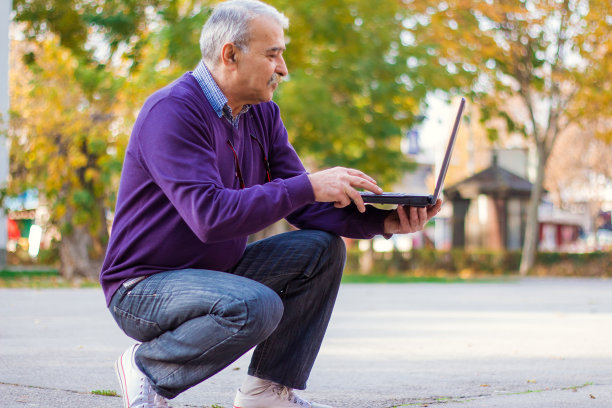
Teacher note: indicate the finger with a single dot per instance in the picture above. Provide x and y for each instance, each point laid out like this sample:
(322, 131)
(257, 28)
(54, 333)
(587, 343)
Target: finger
(421, 217)
(403, 219)
(422, 212)
(356, 197)
(414, 219)
(435, 209)
(358, 182)
(343, 201)
(358, 173)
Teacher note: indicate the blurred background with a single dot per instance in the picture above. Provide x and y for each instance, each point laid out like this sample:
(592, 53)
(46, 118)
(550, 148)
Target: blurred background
(372, 85)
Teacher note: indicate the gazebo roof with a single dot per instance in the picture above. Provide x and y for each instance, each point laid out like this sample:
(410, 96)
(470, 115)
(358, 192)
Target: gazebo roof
(493, 181)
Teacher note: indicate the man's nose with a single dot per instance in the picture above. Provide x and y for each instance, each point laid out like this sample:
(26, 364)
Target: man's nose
(281, 68)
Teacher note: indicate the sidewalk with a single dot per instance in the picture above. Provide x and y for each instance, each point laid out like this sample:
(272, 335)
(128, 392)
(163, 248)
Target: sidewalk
(532, 343)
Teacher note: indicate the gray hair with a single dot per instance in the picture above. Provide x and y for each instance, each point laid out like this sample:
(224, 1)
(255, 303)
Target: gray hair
(229, 22)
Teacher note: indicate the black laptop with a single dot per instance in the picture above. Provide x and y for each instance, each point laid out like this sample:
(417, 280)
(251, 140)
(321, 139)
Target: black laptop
(420, 200)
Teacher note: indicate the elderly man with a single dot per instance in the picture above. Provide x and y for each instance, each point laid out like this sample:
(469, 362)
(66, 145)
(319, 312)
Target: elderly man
(209, 163)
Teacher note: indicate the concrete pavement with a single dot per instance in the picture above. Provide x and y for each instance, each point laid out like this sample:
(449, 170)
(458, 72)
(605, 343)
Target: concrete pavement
(529, 343)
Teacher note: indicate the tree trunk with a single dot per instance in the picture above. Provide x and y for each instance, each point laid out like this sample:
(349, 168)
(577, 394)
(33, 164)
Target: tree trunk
(78, 255)
(532, 230)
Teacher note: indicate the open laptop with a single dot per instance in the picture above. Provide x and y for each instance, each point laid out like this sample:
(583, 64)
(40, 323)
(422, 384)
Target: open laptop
(421, 200)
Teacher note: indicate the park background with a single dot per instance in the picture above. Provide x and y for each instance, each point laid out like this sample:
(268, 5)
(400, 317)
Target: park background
(372, 85)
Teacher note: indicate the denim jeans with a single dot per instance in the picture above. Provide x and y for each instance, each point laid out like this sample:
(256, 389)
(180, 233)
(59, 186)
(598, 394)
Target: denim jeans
(193, 323)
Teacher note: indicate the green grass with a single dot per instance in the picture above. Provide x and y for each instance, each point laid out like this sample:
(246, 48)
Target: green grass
(572, 388)
(43, 278)
(106, 393)
(17, 273)
(420, 279)
(576, 387)
(40, 278)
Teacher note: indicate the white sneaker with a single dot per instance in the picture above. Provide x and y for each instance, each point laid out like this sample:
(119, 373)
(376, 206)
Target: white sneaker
(135, 386)
(274, 396)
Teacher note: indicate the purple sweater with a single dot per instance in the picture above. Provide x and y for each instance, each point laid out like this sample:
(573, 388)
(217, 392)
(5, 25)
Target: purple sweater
(180, 204)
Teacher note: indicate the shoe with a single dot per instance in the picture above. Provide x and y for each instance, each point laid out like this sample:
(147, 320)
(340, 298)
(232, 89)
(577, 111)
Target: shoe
(135, 386)
(274, 396)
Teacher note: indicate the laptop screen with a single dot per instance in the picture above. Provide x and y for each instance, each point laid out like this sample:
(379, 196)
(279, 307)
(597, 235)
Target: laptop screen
(449, 151)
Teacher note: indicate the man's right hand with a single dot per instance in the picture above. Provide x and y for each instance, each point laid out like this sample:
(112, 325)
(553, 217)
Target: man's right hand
(338, 185)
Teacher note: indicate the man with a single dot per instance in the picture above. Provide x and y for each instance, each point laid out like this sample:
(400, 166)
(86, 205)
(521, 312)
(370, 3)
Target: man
(209, 163)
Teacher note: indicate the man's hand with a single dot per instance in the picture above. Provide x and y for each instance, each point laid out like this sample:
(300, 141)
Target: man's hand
(410, 219)
(338, 185)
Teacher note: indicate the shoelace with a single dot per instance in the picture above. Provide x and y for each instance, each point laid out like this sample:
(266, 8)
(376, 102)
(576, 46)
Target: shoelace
(153, 399)
(159, 401)
(142, 394)
(288, 394)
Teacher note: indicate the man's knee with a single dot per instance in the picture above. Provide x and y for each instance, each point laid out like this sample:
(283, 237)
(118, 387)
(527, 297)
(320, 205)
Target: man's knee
(264, 310)
(333, 246)
(337, 247)
(324, 242)
(329, 249)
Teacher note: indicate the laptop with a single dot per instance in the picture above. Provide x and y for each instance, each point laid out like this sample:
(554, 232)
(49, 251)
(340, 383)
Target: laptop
(421, 200)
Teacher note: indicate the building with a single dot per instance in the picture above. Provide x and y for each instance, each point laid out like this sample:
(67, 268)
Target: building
(489, 209)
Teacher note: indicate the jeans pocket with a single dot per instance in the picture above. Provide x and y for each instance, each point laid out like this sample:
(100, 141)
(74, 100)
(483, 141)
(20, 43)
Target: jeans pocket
(137, 328)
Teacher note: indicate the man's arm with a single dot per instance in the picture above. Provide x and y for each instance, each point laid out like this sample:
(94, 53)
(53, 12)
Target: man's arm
(339, 207)
(338, 185)
(180, 156)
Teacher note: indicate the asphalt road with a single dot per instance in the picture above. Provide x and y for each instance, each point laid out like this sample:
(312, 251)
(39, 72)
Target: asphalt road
(528, 343)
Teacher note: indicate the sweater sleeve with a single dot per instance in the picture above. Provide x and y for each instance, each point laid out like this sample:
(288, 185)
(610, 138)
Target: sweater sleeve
(179, 154)
(347, 221)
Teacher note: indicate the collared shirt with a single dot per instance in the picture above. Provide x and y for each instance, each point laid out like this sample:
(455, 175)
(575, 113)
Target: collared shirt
(215, 96)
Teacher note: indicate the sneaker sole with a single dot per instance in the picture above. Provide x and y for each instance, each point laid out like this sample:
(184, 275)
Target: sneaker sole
(121, 377)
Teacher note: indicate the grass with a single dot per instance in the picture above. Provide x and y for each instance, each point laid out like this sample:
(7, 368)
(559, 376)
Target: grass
(40, 278)
(106, 393)
(420, 279)
(45, 278)
(577, 387)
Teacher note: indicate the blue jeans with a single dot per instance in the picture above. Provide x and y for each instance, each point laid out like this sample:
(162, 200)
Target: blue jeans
(193, 323)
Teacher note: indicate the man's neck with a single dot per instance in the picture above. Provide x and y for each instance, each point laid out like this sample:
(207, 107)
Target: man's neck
(223, 85)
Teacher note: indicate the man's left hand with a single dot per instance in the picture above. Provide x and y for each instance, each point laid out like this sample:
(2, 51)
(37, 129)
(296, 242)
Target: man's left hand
(406, 219)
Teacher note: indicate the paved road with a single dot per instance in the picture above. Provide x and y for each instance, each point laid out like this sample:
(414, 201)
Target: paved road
(530, 343)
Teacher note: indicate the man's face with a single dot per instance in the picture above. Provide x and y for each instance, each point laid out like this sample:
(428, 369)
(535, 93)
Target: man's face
(260, 68)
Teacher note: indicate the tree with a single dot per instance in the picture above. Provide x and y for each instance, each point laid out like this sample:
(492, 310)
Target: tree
(579, 171)
(350, 97)
(61, 146)
(79, 74)
(541, 65)
(348, 100)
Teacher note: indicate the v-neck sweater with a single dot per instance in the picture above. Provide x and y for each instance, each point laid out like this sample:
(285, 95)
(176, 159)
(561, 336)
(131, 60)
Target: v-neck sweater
(180, 204)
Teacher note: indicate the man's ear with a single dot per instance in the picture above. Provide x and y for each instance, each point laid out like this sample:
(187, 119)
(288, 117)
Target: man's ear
(228, 54)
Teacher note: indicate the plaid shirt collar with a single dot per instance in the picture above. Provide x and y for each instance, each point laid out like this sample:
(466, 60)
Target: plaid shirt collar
(215, 96)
